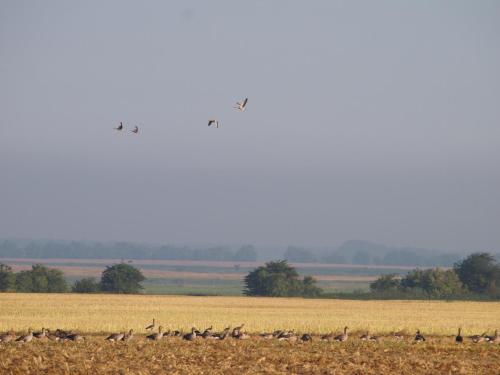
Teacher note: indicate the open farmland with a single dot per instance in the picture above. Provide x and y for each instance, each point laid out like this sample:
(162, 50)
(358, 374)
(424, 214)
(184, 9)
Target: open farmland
(97, 315)
(191, 277)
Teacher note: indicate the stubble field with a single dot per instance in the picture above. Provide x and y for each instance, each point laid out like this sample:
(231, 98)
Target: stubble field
(96, 315)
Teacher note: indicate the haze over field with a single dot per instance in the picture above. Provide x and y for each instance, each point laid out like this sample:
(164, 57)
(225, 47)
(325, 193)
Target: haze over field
(376, 121)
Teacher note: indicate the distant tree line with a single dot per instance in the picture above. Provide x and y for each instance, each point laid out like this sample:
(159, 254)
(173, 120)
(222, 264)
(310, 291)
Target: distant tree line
(350, 252)
(121, 250)
(119, 278)
(369, 253)
(476, 275)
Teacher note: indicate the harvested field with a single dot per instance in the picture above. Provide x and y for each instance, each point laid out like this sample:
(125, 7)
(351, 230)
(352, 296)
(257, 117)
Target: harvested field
(97, 315)
(254, 356)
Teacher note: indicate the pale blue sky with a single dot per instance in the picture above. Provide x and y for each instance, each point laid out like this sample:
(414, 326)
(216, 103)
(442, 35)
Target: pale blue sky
(370, 120)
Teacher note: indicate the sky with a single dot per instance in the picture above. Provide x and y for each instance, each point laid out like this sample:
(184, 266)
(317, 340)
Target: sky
(366, 120)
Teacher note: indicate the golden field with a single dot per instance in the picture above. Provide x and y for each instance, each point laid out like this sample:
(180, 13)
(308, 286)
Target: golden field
(96, 315)
(109, 313)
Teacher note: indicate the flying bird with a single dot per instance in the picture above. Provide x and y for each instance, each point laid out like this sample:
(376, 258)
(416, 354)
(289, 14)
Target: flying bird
(135, 130)
(212, 122)
(120, 127)
(240, 106)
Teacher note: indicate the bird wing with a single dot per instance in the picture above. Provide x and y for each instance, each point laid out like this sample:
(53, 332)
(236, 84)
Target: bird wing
(245, 102)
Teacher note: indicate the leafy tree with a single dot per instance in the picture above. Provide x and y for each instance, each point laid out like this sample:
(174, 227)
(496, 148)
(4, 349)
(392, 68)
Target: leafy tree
(24, 282)
(86, 285)
(279, 279)
(56, 282)
(310, 289)
(434, 282)
(246, 253)
(413, 279)
(121, 278)
(41, 279)
(7, 278)
(479, 273)
(386, 283)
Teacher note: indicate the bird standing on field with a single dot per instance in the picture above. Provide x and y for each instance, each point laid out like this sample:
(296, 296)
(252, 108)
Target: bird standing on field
(206, 333)
(156, 336)
(478, 338)
(7, 337)
(74, 337)
(152, 326)
(306, 337)
(26, 338)
(52, 336)
(115, 337)
(459, 337)
(128, 336)
(366, 336)
(343, 337)
(222, 335)
(419, 337)
(40, 335)
(493, 339)
(190, 336)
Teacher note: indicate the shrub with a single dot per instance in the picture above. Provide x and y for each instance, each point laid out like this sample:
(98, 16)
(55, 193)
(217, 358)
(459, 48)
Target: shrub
(86, 285)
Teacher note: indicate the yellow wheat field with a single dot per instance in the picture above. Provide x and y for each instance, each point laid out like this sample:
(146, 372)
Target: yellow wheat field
(109, 313)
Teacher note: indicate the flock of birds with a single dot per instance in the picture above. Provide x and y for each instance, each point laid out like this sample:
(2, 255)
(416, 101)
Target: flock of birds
(157, 334)
(240, 106)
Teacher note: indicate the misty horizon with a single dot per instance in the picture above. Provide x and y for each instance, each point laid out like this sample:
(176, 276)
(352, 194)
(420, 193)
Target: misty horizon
(361, 123)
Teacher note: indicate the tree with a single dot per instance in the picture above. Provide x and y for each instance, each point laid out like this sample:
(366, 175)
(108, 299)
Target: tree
(386, 283)
(246, 253)
(56, 282)
(279, 279)
(86, 285)
(24, 282)
(310, 287)
(121, 278)
(41, 279)
(7, 278)
(433, 282)
(479, 273)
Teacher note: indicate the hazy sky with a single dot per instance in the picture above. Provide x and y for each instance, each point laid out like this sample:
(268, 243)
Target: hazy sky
(366, 120)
